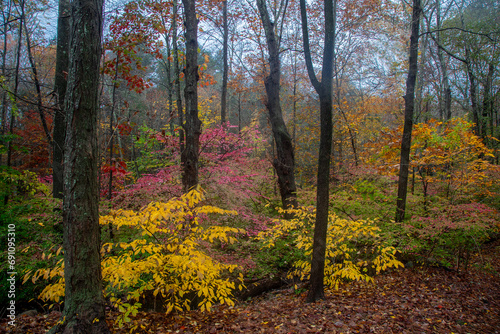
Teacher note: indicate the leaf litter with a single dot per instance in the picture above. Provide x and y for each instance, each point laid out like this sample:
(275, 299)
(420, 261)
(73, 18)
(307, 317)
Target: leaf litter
(412, 300)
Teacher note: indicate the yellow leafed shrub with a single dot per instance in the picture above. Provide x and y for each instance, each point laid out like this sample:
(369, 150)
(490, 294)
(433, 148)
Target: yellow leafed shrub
(165, 261)
(354, 249)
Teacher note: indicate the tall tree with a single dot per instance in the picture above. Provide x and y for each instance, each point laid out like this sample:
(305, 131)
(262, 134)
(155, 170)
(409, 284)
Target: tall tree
(168, 68)
(445, 93)
(21, 18)
(409, 97)
(38, 88)
(223, 102)
(470, 36)
(62, 61)
(177, 83)
(193, 123)
(6, 20)
(324, 90)
(84, 305)
(284, 163)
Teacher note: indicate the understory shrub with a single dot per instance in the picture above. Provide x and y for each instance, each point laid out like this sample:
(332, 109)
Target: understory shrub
(165, 261)
(19, 184)
(449, 234)
(355, 250)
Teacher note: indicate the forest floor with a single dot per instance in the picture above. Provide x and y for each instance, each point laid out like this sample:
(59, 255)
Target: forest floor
(410, 300)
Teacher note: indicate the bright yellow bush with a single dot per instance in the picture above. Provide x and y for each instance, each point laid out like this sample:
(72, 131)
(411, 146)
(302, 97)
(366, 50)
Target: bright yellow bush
(166, 260)
(354, 249)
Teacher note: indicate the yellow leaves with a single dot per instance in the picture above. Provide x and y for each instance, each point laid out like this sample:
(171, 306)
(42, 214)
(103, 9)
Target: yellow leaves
(221, 234)
(166, 260)
(344, 261)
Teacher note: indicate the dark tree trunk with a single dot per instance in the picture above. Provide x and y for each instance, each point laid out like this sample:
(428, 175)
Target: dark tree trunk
(193, 124)
(84, 305)
(62, 61)
(408, 121)
(473, 95)
(294, 106)
(445, 96)
(239, 113)
(284, 163)
(177, 83)
(112, 115)
(168, 69)
(223, 102)
(324, 90)
(488, 103)
(38, 89)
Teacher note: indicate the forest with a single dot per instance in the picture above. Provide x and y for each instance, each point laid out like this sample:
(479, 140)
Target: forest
(250, 166)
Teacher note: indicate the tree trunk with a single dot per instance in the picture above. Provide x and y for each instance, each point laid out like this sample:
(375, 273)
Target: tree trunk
(223, 102)
(473, 93)
(324, 90)
(488, 104)
(294, 106)
(38, 89)
(112, 115)
(284, 164)
(193, 123)
(419, 111)
(5, 16)
(445, 94)
(168, 69)
(62, 61)
(408, 121)
(84, 305)
(177, 84)
(16, 83)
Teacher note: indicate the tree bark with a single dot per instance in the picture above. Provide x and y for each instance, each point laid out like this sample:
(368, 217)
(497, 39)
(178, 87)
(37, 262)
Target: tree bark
(62, 61)
(223, 103)
(168, 69)
(193, 123)
(409, 107)
(177, 84)
(84, 305)
(284, 163)
(488, 104)
(324, 90)
(112, 115)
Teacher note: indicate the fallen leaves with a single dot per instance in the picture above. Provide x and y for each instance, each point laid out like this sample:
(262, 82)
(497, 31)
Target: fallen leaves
(418, 300)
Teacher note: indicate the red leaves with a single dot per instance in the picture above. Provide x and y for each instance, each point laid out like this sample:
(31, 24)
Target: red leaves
(130, 31)
(124, 129)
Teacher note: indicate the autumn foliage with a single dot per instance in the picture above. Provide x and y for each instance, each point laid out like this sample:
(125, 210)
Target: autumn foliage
(164, 260)
(174, 252)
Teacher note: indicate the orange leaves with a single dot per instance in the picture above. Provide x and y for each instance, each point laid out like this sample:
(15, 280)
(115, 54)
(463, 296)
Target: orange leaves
(205, 79)
(446, 152)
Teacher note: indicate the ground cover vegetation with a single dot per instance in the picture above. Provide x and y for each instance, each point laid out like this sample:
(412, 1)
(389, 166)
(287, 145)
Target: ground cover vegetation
(207, 185)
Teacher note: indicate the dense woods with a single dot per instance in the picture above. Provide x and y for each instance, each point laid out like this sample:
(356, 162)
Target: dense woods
(164, 155)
